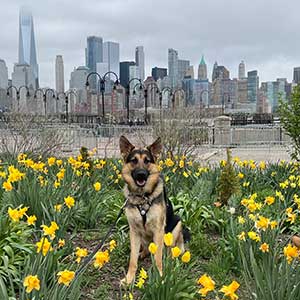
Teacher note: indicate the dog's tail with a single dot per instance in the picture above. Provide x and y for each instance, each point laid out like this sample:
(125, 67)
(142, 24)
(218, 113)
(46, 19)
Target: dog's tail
(186, 234)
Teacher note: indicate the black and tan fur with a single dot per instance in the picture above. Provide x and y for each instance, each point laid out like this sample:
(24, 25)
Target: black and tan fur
(159, 218)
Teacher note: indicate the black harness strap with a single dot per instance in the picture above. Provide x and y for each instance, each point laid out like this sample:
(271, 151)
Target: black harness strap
(143, 208)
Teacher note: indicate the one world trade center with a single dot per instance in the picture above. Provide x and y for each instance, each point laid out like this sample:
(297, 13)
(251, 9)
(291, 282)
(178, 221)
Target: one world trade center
(27, 49)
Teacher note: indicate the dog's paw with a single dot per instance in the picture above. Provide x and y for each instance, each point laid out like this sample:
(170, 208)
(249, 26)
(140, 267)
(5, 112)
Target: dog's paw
(125, 281)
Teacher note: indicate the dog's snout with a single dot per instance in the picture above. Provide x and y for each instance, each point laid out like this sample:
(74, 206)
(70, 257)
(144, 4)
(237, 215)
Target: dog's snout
(140, 174)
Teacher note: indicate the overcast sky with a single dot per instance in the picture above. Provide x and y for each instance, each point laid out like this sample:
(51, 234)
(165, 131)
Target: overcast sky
(263, 33)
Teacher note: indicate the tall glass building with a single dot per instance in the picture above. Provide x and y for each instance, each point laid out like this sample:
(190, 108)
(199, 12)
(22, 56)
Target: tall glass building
(94, 55)
(173, 67)
(111, 56)
(253, 85)
(140, 61)
(27, 49)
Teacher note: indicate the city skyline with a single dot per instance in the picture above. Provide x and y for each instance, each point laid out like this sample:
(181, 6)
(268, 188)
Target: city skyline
(269, 47)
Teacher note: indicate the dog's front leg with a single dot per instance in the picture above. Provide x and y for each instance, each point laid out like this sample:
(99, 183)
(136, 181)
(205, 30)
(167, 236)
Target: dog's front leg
(135, 245)
(158, 239)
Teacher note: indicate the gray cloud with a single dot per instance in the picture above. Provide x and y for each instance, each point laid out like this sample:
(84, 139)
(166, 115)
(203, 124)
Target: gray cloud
(263, 33)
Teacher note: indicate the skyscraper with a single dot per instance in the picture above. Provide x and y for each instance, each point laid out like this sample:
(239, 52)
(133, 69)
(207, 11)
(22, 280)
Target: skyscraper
(202, 70)
(77, 82)
(3, 74)
(173, 67)
(111, 56)
(94, 55)
(27, 49)
(124, 72)
(183, 67)
(23, 75)
(134, 72)
(59, 74)
(158, 73)
(190, 72)
(140, 61)
(252, 86)
(297, 75)
(242, 70)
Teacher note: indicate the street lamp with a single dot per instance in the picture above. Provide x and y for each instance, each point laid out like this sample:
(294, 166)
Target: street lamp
(102, 81)
(165, 89)
(44, 94)
(18, 92)
(142, 87)
(223, 101)
(180, 90)
(128, 95)
(66, 96)
(201, 101)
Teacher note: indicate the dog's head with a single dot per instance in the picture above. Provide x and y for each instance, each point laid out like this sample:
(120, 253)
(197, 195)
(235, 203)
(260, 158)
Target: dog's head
(140, 171)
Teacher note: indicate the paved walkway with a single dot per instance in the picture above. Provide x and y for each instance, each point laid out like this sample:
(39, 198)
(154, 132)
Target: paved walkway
(265, 153)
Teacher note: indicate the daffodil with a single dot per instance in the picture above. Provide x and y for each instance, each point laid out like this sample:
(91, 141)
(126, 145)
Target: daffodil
(262, 223)
(175, 252)
(31, 220)
(61, 243)
(186, 257)
(229, 290)
(69, 201)
(80, 253)
(168, 239)
(241, 220)
(43, 245)
(253, 236)
(290, 252)
(101, 258)
(97, 186)
(31, 282)
(242, 236)
(264, 247)
(152, 248)
(269, 200)
(112, 245)
(207, 283)
(7, 186)
(65, 277)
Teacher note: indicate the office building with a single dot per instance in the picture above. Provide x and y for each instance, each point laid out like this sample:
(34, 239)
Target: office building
(3, 75)
(242, 70)
(59, 74)
(173, 67)
(159, 73)
(140, 61)
(94, 55)
(27, 48)
(202, 69)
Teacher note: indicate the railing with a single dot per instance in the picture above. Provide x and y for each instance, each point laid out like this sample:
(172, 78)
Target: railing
(106, 138)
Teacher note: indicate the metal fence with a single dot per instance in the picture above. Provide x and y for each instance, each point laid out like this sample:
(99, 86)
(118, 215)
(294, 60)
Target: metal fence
(106, 138)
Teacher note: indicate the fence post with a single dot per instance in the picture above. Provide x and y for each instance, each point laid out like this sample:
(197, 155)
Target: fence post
(222, 132)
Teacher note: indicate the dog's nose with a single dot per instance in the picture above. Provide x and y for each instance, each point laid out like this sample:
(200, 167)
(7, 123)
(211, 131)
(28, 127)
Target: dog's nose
(141, 174)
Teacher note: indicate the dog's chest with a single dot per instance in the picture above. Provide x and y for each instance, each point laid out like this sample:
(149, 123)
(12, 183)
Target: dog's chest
(155, 219)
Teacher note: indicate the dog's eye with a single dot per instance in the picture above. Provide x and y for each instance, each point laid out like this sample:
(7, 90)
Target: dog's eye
(146, 161)
(134, 160)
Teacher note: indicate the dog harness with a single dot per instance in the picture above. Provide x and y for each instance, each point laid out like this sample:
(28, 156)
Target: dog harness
(144, 206)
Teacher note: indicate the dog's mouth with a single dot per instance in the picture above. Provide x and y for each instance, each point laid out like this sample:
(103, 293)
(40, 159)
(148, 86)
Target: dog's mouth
(140, 182)
(140, 177)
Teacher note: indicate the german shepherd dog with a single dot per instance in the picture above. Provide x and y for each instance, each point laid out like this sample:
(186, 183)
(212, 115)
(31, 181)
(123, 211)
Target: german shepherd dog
(148, 210)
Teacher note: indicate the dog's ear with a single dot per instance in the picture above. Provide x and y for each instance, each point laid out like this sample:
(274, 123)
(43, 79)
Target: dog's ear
(155, 148)
(125, 146)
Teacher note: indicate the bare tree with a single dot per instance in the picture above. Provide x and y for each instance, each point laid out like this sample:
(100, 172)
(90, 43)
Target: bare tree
(29, 134)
